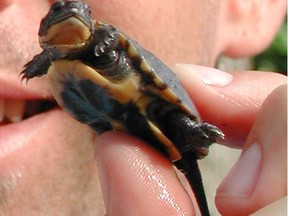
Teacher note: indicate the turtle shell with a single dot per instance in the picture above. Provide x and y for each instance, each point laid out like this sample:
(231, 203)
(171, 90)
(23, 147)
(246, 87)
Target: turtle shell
(124, 103)
(163, 80)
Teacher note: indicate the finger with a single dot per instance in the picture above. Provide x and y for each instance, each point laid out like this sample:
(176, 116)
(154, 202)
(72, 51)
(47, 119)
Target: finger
(259, 177)
(137, 180)
(277, 208)
(230, 101)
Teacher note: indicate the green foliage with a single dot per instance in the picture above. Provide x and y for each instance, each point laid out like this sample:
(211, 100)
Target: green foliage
(274, 58)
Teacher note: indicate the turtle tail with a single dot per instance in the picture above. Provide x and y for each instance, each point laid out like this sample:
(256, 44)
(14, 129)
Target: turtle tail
(189, 166)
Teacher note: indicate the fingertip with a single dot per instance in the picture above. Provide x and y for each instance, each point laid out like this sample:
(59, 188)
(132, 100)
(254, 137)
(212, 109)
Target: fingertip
(137, 180)
(234, 193)
(231, 101)
(260, 176)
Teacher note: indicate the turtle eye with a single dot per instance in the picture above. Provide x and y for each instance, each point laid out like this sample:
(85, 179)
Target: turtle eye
(57, 6)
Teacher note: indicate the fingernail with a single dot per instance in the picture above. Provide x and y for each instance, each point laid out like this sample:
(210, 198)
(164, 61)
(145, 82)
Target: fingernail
(209, 76)
(243, 177)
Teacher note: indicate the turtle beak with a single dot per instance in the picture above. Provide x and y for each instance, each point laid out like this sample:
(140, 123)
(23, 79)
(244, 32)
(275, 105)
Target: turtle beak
(69, 32)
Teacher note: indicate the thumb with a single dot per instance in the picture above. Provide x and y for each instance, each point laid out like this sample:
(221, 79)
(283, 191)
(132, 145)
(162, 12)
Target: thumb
(259, 177)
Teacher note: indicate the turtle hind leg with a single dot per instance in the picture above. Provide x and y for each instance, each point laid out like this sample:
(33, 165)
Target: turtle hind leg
(212, 131)
(192, 138)
(189, 166)
(189, 135)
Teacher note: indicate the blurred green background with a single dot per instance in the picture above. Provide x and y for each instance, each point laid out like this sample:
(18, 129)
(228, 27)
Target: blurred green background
(274, 58)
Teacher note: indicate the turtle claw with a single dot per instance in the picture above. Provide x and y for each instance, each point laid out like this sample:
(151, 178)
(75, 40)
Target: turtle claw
(38, 66)
(101, 48)
(106, 39)
(104, 46)
(23, 76)
(212, 132)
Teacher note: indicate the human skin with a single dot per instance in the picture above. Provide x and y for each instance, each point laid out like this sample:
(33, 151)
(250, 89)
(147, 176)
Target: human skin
(257, 179)
(49, 159)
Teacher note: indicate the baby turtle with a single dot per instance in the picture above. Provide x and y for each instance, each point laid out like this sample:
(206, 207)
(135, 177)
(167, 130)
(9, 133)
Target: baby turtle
(108, 81)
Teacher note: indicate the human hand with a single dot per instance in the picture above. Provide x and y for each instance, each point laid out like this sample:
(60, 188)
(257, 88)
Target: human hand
(137, 180)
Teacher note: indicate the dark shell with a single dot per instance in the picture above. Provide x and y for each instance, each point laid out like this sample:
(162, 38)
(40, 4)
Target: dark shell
(161, 76)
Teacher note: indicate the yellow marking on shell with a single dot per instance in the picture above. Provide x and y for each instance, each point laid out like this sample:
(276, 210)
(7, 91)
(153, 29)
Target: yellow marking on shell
(158, 82)
(132, 51)
(123, 40)
(168, 95)
(127, 90)
(123, 92)
(145, 66)
(61, 70)
(173, 153)
(161, 87)
(143, 103)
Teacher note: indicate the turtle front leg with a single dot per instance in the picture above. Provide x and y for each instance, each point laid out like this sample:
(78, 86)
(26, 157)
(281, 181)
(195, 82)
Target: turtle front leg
(38, 66)
(106, 39)
(192, 138)
(108, 56)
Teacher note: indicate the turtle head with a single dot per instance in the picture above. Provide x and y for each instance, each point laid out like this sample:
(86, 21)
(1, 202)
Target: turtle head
(68, 24)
